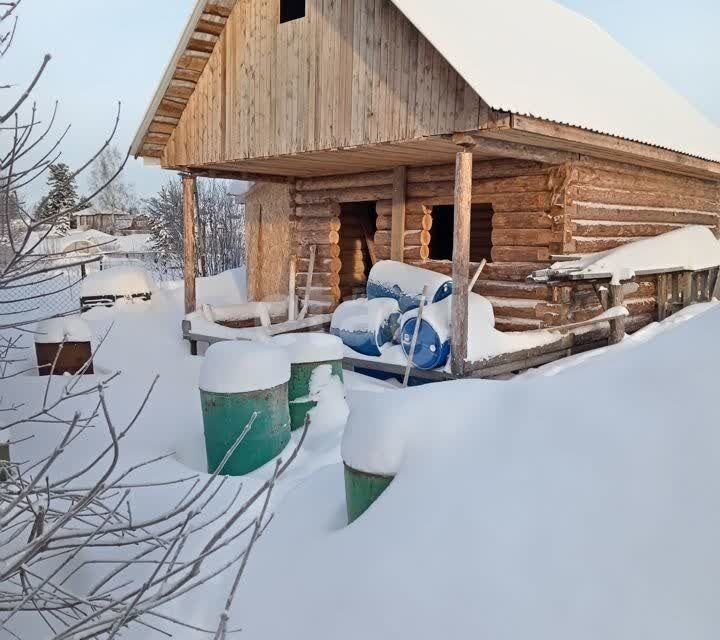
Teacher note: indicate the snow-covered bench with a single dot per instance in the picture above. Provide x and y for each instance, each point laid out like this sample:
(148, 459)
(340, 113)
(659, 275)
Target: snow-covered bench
(249, 321)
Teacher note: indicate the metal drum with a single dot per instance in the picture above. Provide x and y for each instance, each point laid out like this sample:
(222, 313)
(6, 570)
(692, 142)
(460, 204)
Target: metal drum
(229, 403)
(361, 490)
(308, 352)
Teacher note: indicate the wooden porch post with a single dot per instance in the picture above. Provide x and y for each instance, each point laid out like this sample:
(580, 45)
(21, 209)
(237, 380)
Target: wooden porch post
(461, 259)
(397, 237)
(189, 241)
(617, 326)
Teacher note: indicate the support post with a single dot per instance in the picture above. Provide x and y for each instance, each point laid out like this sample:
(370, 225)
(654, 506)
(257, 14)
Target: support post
(397, 238)
(686, 287)
(189, 241)
(461, 260)
(662, 296)
(617, 325)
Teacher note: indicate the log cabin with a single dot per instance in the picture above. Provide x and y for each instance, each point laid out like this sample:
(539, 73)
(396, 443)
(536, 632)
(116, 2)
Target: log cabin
(438, 134)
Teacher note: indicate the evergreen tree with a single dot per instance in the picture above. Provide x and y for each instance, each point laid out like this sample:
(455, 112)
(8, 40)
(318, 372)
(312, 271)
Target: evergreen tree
(62, 197)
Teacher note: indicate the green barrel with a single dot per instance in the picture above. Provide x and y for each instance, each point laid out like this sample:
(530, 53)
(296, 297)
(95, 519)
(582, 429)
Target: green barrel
(225, 416)
(299, 388)
(240, 379)
(361, 490)
(307, 353)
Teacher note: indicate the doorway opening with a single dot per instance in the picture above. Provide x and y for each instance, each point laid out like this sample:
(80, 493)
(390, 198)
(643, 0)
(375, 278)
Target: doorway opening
(358, 223)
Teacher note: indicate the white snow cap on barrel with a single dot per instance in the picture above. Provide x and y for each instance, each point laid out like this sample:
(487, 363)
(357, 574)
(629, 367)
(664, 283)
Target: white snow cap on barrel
(242, 366)
(310, 347)
(56, 330)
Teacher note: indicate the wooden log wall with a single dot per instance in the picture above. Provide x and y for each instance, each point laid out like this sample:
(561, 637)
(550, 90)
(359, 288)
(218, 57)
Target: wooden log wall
(538, 211)
(523, 236)
(609, 204)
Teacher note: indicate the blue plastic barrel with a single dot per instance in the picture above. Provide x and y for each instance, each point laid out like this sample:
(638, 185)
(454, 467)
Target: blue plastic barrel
(404, 283)
(366, 325)
(431, 351)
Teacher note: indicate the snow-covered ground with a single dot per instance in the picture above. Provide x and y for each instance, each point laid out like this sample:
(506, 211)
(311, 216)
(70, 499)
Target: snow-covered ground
(579, 500)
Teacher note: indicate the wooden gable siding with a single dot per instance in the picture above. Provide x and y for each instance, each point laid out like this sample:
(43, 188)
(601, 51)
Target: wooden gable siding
(352, 72)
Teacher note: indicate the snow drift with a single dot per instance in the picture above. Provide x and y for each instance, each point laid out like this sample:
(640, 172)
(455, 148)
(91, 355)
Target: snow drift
(582, 505)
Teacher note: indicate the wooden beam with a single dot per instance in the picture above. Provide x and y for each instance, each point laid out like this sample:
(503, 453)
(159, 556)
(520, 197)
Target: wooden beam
(603, 145)
(189, 241)
(397, 241)
(461, 260)
(505, 149)
(229, 174)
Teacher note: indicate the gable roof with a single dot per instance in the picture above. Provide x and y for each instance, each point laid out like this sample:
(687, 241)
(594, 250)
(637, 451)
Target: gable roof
(538, 58)
(533, 58)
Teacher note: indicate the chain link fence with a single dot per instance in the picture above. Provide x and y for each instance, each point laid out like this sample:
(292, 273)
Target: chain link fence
(57, 292)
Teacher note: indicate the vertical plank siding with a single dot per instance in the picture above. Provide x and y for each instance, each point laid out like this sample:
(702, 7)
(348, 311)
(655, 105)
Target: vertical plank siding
(351, 72)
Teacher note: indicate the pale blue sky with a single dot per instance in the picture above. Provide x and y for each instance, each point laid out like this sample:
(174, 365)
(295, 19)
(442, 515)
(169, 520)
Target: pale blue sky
(104, 51)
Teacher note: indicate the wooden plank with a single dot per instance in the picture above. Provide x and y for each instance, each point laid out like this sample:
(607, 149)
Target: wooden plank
(352, 364)
(461, 261)
(189, 242)
(306, 303)
(686, 280)
(397, 244)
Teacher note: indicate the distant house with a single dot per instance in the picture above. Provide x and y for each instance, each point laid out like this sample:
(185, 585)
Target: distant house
(119, 223)
(77, 245)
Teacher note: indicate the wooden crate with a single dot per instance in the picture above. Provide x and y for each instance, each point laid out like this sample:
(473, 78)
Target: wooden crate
(71, 359)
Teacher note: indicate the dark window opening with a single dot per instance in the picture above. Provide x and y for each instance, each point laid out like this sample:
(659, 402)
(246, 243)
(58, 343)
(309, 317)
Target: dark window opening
(358, 223)
(441, 235)
(291, 10)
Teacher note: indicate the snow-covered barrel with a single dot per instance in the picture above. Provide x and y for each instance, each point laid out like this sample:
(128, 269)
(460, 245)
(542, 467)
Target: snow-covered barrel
(308, 353)
(239, 379)
(366, 325)
(404, 283)
(432, 349)
(63, 345)
(361, 490)
(372, 450)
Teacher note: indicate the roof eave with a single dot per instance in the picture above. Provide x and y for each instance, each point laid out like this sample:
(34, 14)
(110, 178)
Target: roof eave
(184, 40)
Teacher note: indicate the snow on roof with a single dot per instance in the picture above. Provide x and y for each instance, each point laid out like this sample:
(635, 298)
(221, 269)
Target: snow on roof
(537, 58)
(75, 240)
(108, 211)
